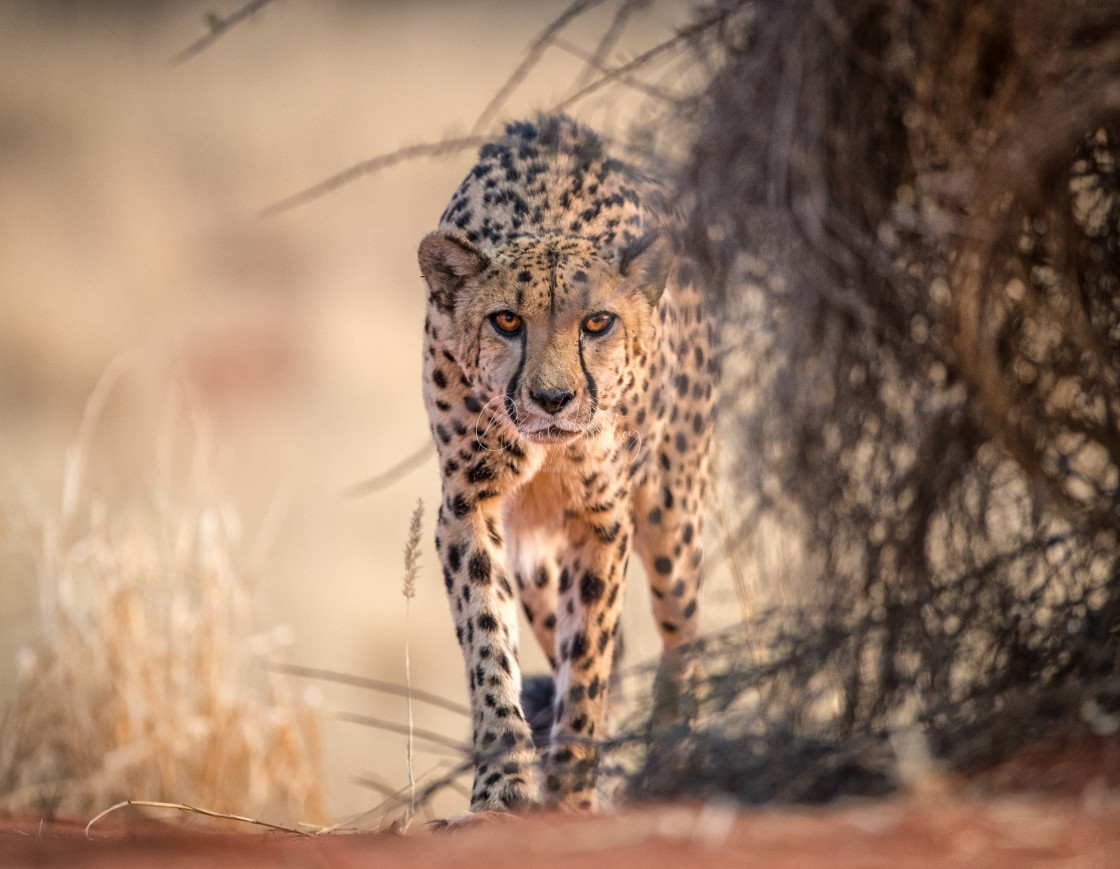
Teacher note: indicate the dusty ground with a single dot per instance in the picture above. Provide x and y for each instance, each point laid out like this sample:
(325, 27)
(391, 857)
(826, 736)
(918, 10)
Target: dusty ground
(1005, 832)
(1056, 804)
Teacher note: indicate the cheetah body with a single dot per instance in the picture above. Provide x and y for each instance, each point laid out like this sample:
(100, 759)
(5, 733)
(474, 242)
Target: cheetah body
(569, 380)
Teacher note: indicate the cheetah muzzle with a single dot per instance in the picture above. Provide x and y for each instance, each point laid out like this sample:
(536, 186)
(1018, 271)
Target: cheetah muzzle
(569, 374)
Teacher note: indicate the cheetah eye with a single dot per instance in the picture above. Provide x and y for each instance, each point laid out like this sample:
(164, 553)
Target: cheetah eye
(599, 323)
(507, 322)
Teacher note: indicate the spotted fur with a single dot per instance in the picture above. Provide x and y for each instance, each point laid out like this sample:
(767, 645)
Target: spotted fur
(569, 373)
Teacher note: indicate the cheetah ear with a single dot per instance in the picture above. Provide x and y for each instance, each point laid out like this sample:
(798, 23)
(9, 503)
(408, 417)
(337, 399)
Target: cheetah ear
(446, 262)
(647, 261)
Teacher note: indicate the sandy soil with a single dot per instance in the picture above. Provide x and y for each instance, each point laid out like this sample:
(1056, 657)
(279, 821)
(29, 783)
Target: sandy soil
(1004, 832)
(1055, 804)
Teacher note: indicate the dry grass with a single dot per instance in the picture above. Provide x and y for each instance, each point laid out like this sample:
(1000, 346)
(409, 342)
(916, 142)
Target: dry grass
(411, 569)
(144, 685)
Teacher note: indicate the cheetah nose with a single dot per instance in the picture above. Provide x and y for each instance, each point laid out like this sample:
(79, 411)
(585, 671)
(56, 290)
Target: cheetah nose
(552, 400)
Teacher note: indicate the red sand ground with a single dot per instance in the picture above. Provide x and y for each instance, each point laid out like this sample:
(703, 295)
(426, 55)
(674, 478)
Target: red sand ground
(1054, 805)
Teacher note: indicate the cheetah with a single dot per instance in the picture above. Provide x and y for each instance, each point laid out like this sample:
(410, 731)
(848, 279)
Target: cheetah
(569, 378)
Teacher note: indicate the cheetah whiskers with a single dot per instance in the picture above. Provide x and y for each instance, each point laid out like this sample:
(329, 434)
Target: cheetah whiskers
(491, 418)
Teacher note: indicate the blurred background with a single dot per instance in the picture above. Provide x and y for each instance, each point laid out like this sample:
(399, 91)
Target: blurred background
(282, 353)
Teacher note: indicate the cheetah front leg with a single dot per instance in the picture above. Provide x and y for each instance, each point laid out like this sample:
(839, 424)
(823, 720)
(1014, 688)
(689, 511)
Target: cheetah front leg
(590, 595)
(484, 607)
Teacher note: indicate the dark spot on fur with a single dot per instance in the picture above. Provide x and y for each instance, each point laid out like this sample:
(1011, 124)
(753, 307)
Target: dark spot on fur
(479, 568)
(487, 622)
(479, 472)
(591, 588)
(607, 534)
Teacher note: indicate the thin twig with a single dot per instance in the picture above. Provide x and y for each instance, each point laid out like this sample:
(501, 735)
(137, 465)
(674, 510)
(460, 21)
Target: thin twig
(618, 72)
(226, 816)
(386, 478)
(540, 44)
(448, 780)
(393, 727)
(637, 84)
(365, 682)
(219, 27)
(369, 167)
(596, 61)
(368, 781)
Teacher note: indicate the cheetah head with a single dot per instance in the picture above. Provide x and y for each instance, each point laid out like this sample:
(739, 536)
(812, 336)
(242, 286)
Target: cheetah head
(549, 327)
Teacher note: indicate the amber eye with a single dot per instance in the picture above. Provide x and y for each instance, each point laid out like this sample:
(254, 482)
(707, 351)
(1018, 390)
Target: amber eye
(507, 322)
(597, 324)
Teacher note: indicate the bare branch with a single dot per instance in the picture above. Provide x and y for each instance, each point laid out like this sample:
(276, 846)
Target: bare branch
(630, 81)
(366, 683)
(219, 27)
(386, 478)
(369, 167)
(613, 74)
(596, 61)
(403, 729)
(538, 48)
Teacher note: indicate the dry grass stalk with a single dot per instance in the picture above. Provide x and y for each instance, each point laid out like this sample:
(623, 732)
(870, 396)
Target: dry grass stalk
(180, 807)
(144, 682)
(411, 568)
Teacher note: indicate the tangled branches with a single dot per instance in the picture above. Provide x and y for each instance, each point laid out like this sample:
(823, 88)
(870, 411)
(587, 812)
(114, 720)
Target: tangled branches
(911, 212)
